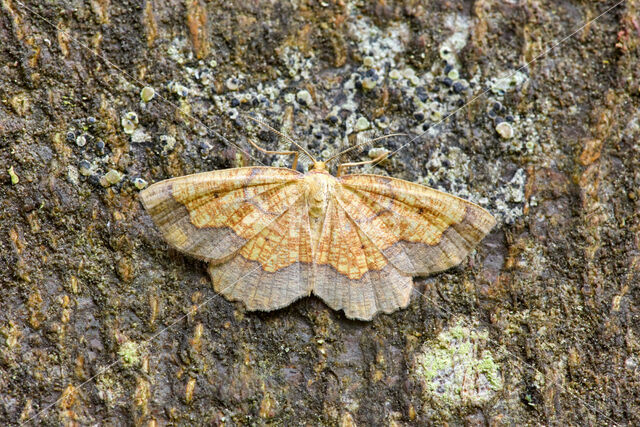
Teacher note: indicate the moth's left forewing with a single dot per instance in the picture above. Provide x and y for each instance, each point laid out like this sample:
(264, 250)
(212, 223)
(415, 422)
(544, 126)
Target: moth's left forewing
(419, 229)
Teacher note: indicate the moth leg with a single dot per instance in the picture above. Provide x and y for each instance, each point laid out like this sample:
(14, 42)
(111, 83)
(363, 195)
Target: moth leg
(347, 165)
(284, 153)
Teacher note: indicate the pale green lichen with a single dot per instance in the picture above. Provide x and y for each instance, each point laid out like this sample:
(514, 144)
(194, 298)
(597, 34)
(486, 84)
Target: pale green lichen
(456, 370)
(140, 183)
(490, 369)
(129, 353)
(147, 93)
(361, 124)
(508, 81)
(112, 177)
(369, 83)
(14, 177)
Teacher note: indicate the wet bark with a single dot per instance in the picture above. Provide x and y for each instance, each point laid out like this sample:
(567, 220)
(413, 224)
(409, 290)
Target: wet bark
(102, 323)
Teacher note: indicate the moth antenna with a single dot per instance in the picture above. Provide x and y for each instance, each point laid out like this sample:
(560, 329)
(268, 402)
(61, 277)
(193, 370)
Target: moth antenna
(369, 141)
(342, 166)
(305, 152)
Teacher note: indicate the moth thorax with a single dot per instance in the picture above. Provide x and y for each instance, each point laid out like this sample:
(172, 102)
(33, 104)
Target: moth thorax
(317, 194)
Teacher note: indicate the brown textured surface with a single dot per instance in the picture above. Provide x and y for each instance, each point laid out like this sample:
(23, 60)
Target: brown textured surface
(87, 281)
(351, 236)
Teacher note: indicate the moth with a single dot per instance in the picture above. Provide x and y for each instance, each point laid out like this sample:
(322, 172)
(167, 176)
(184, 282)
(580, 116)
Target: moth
(273, 235)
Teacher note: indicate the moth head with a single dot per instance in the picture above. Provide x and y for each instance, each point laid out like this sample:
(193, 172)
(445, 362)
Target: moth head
(319, 166)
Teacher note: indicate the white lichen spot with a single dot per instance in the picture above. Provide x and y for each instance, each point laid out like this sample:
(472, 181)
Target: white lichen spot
(530, 145)
(368, 61)
(233, 113)
(271, 92)
(176, 48)
(449, 167)
(167, 142)
(381, 45)
(530, 137)
(460, 26)
(513, 190)
(382, 122)
(232, 83)
(85, 168)
(132, 116)
(81, 140)
(505, 130)
(631, 363)
(408, 73)
(298, 65)
(129, 122)
(178, 89)
(369, 83)
(435, 111)
(139, 135)
(362, 124)
(395, 74)
(457, 369)
(72, 174)
(304, 98)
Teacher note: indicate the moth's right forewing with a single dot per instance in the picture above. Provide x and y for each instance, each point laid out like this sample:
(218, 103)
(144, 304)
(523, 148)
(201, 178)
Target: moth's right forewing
(212, 215)
(274, 268)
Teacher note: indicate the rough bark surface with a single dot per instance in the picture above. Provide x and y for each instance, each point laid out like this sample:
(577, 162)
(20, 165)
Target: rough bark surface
(102, 324)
